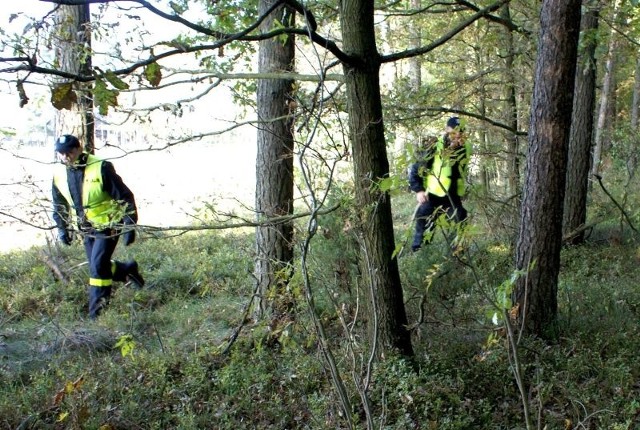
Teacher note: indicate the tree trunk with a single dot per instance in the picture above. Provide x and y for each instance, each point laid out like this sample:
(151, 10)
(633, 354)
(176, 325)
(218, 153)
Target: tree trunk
(274, 163)
(415, 41)
(605, 96)
(540, 233)
(580, 141)
(73, 54)
(636, 97)
(513, 148)
(387, 318)
(481, 90)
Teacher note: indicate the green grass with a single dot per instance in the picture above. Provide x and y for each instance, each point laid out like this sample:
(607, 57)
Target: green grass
(154, 359)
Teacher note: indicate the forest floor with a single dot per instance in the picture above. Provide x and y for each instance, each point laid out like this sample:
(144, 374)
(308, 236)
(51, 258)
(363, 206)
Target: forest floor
(184, 352)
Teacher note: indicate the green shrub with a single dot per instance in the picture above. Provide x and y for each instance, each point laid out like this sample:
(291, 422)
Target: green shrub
(174, 375)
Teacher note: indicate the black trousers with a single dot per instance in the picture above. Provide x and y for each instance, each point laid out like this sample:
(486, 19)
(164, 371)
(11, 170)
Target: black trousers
(427, 213)
(99, 247)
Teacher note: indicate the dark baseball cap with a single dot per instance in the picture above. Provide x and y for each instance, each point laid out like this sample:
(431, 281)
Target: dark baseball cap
(453, 122)
(66, 143)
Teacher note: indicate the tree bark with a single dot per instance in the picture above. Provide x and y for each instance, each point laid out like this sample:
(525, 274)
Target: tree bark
(513, 147)
(415, 41)
(274, 163)
(540, 233)
(387, 320)
(635, 104)
(581, 135)
(605, 98)
(481, 90)
(73, 54)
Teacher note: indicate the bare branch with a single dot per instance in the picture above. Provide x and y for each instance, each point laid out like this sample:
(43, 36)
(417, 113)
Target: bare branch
(243, 35)
(446, 37)
(615, 202)
(242, 223)
(510, 25)
(24, 221)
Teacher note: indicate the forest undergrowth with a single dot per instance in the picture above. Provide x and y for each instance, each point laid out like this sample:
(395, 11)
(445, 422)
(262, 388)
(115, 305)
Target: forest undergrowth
(184, 352)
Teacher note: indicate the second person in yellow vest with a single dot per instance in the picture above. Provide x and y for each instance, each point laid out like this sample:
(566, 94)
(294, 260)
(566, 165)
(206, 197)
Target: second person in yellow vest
(438, 180)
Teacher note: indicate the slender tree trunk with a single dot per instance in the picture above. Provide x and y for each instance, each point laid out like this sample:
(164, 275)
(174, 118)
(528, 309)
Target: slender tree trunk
(415, 41)
(485, 173)
(581, 138)
(633, 159)
(387, 320)
(73, 53)
(540, 234)
(635, 105)
(513, 147)
(274, 164)
(605, 99)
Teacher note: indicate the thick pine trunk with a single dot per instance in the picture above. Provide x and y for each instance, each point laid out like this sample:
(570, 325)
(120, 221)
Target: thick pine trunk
(386, 317)
(580, 142)
(274, 162)
(540, 234)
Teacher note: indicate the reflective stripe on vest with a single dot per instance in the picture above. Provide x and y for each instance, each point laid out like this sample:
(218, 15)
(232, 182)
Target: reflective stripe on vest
(100, 209)
(439, 178)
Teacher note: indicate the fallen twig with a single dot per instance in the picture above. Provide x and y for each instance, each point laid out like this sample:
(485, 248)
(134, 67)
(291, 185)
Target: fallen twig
(55, 267)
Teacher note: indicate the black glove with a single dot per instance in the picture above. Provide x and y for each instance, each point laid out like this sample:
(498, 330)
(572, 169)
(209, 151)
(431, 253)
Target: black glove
(129, 237)
(63, 236)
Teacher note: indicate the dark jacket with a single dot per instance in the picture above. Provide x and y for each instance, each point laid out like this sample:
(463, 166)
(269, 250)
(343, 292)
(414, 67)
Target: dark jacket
(419, 170)
(112, 184)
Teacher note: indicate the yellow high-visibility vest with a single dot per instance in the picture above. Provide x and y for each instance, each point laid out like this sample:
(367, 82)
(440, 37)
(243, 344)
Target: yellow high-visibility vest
(439, 178)
(100, 209)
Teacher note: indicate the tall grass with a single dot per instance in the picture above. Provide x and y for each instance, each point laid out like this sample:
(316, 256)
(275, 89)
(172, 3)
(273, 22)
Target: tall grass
(154, 359)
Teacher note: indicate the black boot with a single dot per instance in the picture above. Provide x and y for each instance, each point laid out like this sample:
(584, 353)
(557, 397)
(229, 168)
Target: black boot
(134, 276)
(98, 300)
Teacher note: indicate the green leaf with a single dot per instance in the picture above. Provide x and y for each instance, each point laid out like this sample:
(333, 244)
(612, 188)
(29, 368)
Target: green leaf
(104, 97)
(153, 74)
(386, 184)
(63, 96)
(126, 344)
(116, 81)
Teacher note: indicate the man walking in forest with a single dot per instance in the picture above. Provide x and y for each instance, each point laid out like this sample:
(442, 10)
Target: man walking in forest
(88, 189)
(438, 179)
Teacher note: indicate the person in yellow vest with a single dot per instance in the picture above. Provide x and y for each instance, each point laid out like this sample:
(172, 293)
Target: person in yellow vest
(438, 180)
(88, 189)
